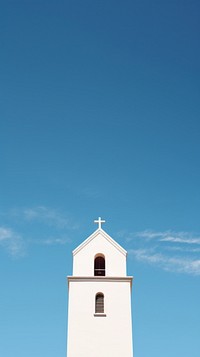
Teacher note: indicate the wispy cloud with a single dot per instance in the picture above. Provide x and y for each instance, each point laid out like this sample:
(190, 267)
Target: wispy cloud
(46, 215)
(173, 264)
(91, 192)
(181, 240)
(169, 250)
(168, 236)
(11, 241)
(55, 241)
(38, 225)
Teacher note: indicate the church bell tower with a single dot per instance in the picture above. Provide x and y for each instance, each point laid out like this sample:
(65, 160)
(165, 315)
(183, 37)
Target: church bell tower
(99, 299)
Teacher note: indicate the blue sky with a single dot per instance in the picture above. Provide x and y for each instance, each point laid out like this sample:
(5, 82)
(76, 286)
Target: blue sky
(99, 116)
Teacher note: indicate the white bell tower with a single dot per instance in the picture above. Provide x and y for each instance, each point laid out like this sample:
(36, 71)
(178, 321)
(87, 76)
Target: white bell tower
(99, 301)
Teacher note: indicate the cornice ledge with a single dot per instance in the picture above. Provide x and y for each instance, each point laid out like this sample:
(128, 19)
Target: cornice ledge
(99, 278)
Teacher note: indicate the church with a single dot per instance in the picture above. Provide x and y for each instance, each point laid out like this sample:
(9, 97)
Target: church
(99, 299)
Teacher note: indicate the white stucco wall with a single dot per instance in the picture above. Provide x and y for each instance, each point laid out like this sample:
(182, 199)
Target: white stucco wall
(99, 336)
(83, 260)
(108, 335)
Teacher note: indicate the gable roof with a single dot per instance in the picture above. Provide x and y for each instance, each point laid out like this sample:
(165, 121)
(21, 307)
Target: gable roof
(106, 236)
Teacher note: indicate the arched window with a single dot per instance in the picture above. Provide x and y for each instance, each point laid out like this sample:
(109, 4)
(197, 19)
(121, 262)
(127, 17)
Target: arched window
(99, 265)
(99, 303)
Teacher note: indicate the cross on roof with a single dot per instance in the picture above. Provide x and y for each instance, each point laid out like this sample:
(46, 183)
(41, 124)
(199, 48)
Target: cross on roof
(99, 221)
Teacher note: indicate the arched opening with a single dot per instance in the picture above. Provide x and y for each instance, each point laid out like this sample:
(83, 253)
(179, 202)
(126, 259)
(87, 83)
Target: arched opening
(99, 303)
(99, 266)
